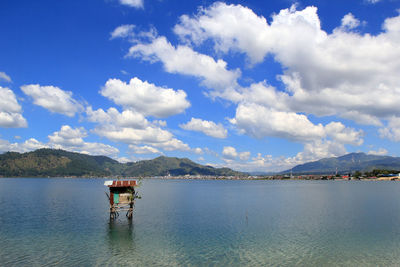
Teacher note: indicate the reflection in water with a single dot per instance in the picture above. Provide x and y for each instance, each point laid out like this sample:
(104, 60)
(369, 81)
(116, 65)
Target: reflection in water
(121, 237)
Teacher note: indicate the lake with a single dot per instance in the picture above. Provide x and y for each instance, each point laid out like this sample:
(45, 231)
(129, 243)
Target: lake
(65, 222)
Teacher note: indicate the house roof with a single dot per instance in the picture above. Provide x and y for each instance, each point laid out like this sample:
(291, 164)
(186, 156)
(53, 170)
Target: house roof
(124, 183)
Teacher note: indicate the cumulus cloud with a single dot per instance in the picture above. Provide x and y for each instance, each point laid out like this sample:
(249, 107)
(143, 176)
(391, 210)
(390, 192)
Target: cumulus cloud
(184, 60)
(198, 150)
(379, 152)
(313, 150)
(132, 3)
(122, 31)
(229, 154)
(146, 98)
(172, 145)
(26, 146)
(66, 138)
(342, 134)
(10, 110)
(5, 77)
(151, 135)
(392, 130)
(144, 149)
(132, 127)
(209, 128)
(127, 118)
(244, 155)
(342, 73)
(350, 22)
(259, 121)
(53, 99)
(71, 139)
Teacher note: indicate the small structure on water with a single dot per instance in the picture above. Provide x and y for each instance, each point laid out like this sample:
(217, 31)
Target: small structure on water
(122, 197)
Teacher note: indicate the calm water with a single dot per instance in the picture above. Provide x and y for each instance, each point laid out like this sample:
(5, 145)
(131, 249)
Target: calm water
(194, 223)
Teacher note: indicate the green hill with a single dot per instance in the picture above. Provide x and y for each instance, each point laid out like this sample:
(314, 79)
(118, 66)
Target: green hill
(347, 164)
(53, 163)
(162, 166)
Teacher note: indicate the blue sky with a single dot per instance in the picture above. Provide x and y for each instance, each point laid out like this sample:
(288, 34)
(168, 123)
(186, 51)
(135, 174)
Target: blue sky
(252, 85)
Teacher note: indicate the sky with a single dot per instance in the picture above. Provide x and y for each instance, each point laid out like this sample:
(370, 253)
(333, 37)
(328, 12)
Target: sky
(251, 85)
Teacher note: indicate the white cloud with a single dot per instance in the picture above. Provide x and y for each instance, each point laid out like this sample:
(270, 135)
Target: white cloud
(317, 150)
(392, 130)
(8, 101)
(132, 3)
(144, 149)
(148, 135)
(161, 123)
(350, 22)
(186, 61)
(343, 73)
(198, 150)
(313, 150)
(343, 135)
(379, 152)
(146, 98)
(230, 26)
(10, 110)
(12, 120)
(229, 152)
(28, 145)
(127, 118)
(259, 121)
(209, 128)
(5, 77)
(71, 139)
(124, 160)
(122, 31)
(53, 99)
(173, 145)
(244, 155)
(68, 136)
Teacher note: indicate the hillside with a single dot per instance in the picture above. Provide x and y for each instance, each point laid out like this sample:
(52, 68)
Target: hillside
(53, 163)
(348, 163)
(162, 166)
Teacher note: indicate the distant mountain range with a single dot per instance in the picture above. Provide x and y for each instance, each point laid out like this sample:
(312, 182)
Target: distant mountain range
(347, 164)
(61, 163)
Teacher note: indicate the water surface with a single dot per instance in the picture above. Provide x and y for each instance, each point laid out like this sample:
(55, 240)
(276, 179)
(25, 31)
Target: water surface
(65, 222)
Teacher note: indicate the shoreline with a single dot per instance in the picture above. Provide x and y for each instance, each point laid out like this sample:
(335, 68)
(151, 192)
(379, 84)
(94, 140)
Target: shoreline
(191, 178)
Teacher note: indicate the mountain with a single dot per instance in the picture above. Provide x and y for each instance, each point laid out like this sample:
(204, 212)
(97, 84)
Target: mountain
(348, 163)
(53, 163)
(162, 166)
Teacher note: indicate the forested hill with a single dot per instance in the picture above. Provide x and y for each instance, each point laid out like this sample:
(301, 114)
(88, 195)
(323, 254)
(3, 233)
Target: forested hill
(348, 163)
(51, 162)
(61, 163)
(174, 166)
